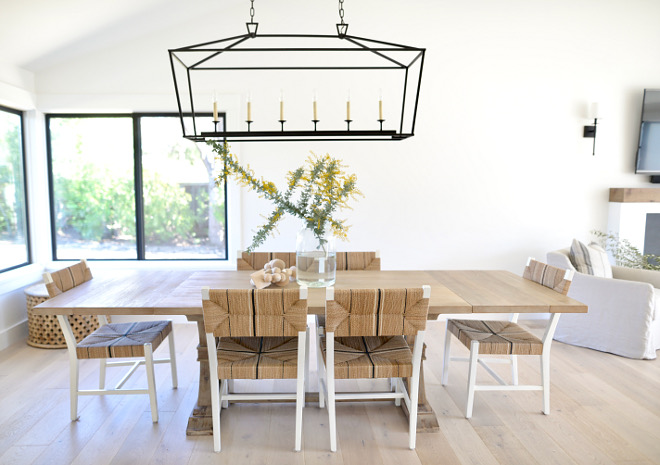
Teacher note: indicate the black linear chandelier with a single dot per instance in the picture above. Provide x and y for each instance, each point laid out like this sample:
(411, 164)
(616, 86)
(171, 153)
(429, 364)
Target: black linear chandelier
(337, 87)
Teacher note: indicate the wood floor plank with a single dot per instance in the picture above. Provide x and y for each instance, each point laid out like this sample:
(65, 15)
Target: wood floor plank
(604, 409)
(21, 455)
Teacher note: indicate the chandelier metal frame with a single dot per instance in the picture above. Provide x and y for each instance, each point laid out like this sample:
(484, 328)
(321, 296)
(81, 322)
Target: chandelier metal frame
(190, 61)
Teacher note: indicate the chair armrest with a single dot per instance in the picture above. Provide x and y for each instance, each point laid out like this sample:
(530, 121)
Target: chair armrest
(635, 274)
(559, 258)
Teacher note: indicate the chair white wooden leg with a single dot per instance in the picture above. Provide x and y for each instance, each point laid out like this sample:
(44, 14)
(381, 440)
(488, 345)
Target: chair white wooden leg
(73, 386)
(73, 364)
(102, 367)
(307, 344)
(545, 381)
(320, 368)
(414, 387)
(151, 381)
(175, 380)
(330, 382)
(472, 377)
(446, 358)
(514, 370)
(215, 390)
(303, 361)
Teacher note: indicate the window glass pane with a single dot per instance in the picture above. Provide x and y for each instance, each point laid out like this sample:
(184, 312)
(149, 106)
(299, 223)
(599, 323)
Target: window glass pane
(184, 212)
(13, 218)
(94, 189)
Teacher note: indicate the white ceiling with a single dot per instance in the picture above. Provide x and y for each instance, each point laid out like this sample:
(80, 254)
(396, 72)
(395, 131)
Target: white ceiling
(34, 34)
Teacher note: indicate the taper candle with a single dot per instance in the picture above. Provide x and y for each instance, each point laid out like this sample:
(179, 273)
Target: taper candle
(314, 107)
(348, 106)
(249, 108)
(380, 104)
(281, 106)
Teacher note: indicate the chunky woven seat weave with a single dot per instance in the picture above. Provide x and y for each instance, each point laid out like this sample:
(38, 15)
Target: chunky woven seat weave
(496, 337)
(136, 341)
(258, 358)
(345, 260)
(371, 357)
(117, 340)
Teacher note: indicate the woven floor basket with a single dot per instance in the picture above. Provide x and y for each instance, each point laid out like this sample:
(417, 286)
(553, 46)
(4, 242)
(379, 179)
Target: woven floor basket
(44, 330)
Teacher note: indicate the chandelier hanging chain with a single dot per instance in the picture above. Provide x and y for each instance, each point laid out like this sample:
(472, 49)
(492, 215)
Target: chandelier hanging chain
(341, 11)
(252, 11)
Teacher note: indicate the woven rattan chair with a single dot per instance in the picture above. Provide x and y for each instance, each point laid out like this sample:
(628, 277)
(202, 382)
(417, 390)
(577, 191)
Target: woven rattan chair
(110, 341)
(345, 260)
(485, 337)
(364, 339)
(262, 335)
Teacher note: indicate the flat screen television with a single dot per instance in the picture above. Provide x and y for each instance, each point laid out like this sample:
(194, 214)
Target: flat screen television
(648, 151)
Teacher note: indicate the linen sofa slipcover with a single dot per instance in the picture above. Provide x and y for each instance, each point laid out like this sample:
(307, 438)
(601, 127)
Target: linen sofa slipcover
(624, 312)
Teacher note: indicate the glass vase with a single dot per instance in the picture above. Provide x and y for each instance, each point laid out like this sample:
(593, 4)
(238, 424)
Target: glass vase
(316, 259)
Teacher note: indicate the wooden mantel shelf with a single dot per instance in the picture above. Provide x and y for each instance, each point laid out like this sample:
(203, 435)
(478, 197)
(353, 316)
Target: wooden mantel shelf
(637, 195)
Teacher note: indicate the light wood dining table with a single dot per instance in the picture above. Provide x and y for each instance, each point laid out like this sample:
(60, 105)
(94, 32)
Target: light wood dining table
(178, 292)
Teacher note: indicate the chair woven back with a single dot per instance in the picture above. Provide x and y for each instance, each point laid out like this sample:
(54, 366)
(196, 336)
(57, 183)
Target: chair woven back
(257, 260)
(345, 260)
(68, 278)
(254, 312)
(376, 312)
(547, 275)
(357, 261)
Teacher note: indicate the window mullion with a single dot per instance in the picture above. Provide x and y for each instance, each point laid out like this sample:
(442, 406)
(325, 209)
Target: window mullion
(139, 192)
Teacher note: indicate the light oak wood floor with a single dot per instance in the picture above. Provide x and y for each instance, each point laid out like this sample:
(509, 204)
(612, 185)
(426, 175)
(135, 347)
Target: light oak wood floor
(605, 410)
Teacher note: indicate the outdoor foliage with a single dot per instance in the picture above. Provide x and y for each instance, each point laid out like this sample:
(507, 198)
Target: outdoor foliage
(94, 206)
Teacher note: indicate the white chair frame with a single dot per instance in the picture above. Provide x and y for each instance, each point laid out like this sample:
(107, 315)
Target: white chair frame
(327, 381)
(475, 359)
(220, 396)
(148, 361)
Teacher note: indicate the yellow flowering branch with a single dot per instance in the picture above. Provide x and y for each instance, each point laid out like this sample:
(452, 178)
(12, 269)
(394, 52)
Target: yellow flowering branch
(314, 192)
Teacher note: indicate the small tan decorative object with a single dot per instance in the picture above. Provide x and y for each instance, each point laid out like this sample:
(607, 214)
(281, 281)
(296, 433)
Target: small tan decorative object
(273, 273)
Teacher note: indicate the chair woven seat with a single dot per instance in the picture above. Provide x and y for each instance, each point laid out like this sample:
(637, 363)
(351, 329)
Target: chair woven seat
(257, 357)
(117, 340)
(371, 357)
(496, 337)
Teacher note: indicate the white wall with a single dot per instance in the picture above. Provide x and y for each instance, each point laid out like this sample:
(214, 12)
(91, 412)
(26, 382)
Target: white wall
(498, 169)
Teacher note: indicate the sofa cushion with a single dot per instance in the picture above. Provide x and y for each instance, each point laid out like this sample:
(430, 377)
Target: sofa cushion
(590, 259)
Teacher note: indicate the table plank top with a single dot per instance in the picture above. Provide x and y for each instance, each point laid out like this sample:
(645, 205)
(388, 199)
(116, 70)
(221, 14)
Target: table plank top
(149, 292)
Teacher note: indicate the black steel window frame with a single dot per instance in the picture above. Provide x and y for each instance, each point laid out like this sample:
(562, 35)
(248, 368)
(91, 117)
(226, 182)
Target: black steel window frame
(25, 194)
(137, 179)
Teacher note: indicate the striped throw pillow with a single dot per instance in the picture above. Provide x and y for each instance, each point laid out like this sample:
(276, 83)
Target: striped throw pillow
(590, 259)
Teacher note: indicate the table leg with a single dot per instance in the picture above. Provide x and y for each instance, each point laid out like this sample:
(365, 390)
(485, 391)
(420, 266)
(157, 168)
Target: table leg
(427, 422)
(200, 422)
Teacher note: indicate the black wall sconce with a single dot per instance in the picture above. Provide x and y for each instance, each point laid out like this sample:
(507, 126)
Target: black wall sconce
(590, 131)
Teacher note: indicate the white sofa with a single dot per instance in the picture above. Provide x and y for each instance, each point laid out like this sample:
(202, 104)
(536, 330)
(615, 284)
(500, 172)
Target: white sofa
(624, 312)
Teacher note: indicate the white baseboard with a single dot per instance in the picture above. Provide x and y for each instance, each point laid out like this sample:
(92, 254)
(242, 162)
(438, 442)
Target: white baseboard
(13, 334)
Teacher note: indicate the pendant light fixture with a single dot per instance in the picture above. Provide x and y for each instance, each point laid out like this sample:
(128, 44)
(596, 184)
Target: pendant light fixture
(298, 87)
